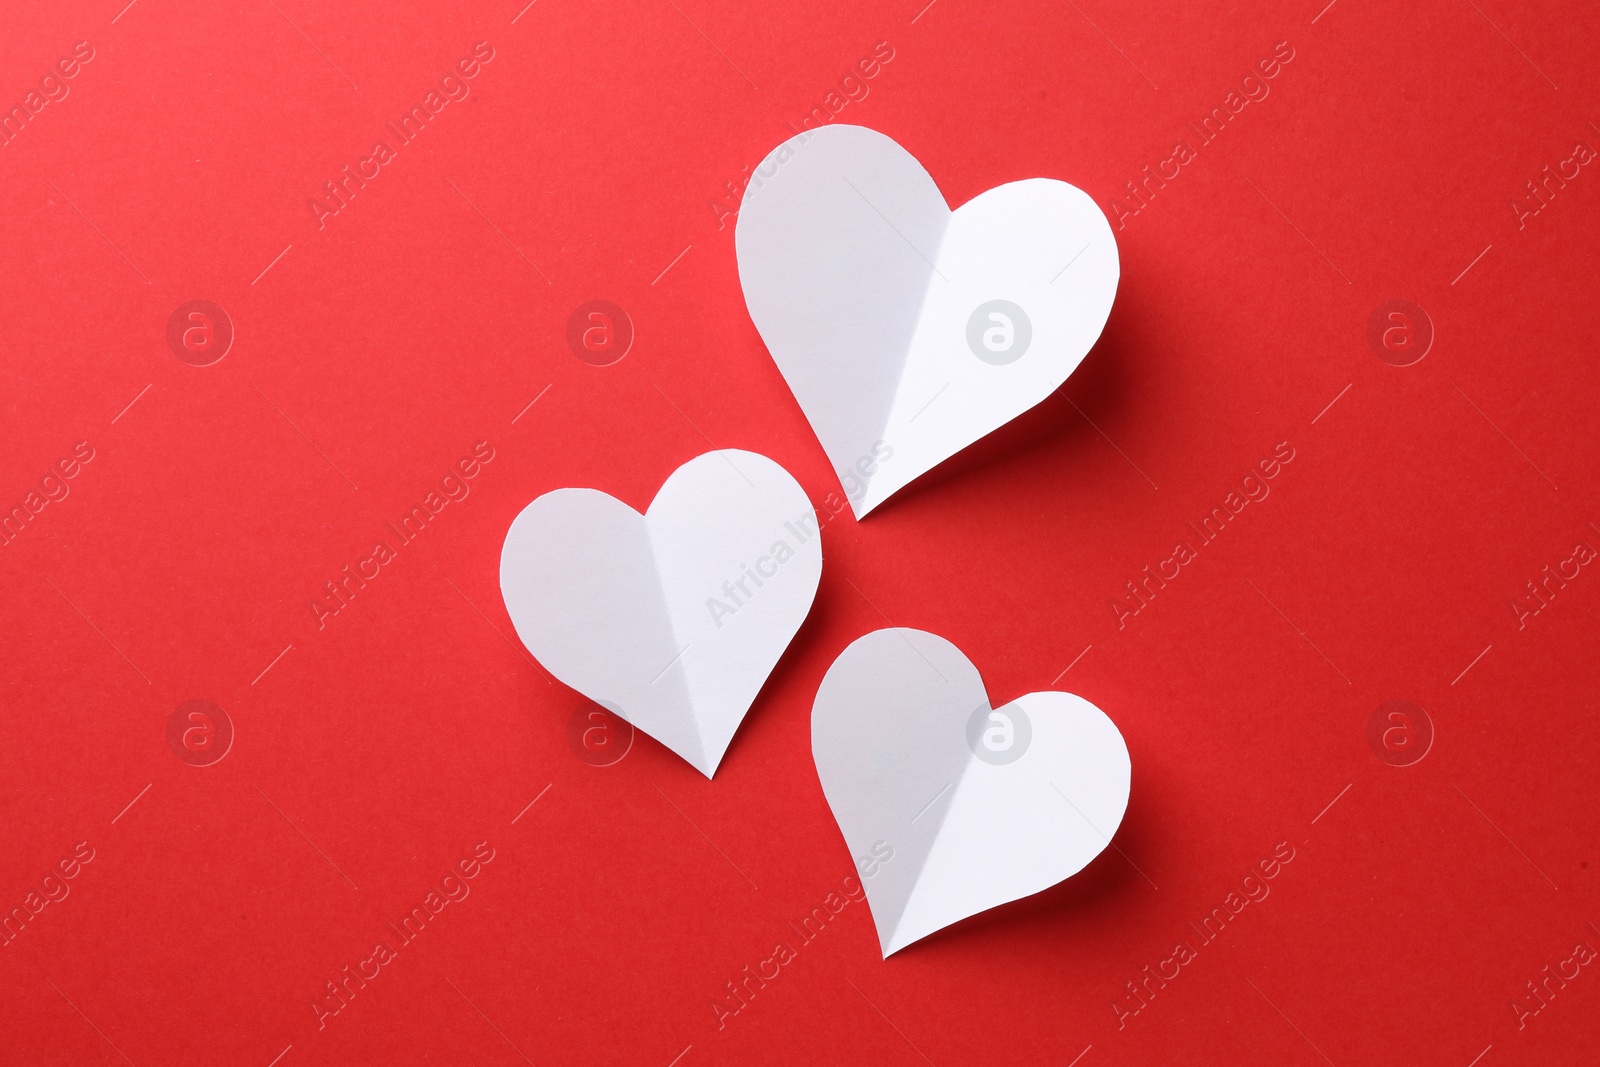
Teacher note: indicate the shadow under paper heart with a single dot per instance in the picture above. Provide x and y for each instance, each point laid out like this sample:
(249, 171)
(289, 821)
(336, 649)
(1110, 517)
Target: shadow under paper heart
(1097, 390)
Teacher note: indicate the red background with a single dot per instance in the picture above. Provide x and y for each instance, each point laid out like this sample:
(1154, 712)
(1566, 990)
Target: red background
(372, 753)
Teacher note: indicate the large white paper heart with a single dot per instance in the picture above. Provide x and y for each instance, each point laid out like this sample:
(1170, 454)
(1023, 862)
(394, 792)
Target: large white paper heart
(905, 330)
(673, 619)
(952, 807)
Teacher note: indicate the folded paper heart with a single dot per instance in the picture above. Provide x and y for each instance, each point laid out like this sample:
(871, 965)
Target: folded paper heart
(671, 619)
(905, 330)
(977, 805)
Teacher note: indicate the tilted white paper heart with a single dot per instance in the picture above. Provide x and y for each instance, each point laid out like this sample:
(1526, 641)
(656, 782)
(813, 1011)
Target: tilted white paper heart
(673, 619)
(907, 331)
(974, 806)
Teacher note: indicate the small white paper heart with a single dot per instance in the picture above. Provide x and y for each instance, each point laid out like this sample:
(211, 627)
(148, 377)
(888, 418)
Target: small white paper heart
(672, 619)
(905, 330)
(975, 806)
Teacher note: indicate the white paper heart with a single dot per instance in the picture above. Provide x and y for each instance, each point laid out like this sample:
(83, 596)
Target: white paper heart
(673, 619)
(905, 330)
(973, 806)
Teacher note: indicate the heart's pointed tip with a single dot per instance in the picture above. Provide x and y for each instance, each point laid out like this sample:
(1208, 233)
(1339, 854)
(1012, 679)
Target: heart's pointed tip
(894, 943)
(896, 938)
(705, 766)
(885, 937)
(712, 751)
(869, 501)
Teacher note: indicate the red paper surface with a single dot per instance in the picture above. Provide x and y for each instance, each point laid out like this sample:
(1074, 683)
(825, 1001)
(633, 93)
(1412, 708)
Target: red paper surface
(597, 155)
